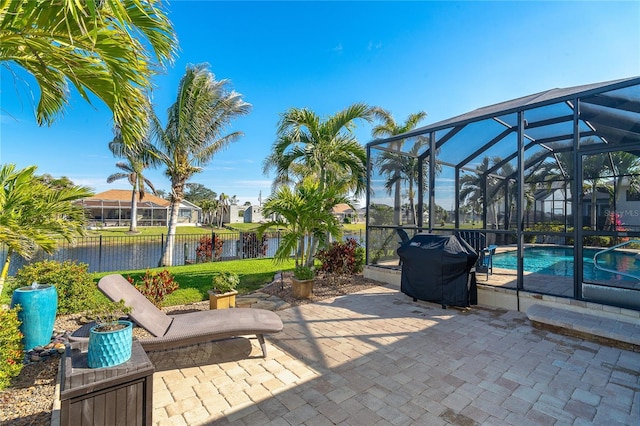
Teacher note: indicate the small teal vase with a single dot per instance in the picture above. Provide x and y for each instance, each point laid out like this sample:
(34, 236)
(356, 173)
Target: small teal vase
(109, 348)
(39, 304)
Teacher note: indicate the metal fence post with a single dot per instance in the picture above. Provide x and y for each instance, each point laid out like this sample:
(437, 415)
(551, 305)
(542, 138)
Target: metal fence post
(186, 258)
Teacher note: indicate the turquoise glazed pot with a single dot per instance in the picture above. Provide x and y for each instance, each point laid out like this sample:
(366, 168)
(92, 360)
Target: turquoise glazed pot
(39, 304)
(109, 348)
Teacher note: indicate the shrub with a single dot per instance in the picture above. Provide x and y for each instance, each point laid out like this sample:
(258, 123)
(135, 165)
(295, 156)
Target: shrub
(252, 247)
(342, 258)
(107, 313)
(207, 251)
(75, 287)
(156, 285)
(11, 350)
(303, 273)
(597, 240)
(224, 282)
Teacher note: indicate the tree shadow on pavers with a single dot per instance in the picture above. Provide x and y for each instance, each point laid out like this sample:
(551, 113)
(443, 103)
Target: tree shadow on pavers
(217, 352)
(360, 318)
(378, 357)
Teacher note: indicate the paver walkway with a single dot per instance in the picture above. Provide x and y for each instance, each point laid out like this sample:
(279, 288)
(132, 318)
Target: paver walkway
(377, 358)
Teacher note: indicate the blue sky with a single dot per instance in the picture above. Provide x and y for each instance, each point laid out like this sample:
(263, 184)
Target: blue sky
(444, 58)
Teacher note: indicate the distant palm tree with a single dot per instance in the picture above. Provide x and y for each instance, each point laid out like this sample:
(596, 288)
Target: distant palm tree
(32, 213)
(103, 48)
(208, 210)
(223, 206)
(138, 159)
(400, 167)
(597, 171)
(392, 164)
(474, 192)
(194, 133)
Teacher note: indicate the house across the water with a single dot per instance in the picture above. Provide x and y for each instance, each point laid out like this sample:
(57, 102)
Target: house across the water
(113, 208)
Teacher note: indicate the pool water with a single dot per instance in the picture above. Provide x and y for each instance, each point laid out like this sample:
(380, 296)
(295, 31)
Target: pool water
(559, 261)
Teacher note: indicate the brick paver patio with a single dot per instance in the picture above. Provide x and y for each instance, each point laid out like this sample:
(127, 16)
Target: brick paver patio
(377, 358)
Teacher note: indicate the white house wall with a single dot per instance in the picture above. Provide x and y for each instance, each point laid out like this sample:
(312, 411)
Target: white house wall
(628, 211)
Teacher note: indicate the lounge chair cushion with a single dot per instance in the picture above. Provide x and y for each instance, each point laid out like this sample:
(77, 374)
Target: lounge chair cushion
(143, 312)
(204, 326)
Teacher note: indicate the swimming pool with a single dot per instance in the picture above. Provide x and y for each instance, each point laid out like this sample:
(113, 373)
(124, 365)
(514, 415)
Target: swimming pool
(559, 261)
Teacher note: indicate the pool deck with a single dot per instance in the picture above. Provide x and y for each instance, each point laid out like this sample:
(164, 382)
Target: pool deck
(378, 358)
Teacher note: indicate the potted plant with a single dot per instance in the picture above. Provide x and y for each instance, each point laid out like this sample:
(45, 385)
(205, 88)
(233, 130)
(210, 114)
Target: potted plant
(111, 338)
(223, 292)
(302, 282)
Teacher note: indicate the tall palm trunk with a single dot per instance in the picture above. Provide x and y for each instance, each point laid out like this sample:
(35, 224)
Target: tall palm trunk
(412, 203)
(133, 227)
(167, 255)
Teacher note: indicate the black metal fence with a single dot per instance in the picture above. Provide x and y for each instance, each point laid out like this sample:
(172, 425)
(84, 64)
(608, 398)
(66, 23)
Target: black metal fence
(122, 253)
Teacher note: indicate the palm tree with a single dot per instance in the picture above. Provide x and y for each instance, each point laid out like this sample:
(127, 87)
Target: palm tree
(473, 191)
(32, 213)
(208, 210)
(392, 163)
(595, 170)
(304, 214)
(133, 170)
(398, 168)
(102, 48)
(223, 206)
(325, 149)
(194, 133)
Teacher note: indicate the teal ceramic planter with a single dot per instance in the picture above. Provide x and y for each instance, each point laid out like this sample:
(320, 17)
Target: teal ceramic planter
(109, 348)
(39, 304)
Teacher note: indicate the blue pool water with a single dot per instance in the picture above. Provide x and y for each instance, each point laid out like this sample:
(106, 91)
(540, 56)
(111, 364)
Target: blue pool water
(559, 261)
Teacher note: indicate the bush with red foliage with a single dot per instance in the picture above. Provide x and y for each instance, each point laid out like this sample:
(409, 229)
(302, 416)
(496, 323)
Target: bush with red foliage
(208, 251)
(156, 285)
(342, 258)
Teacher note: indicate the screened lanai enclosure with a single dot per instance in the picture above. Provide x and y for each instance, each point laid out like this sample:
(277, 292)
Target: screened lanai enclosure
(552, 179)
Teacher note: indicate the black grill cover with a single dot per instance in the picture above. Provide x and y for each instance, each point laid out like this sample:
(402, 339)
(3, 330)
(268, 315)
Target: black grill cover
(437, 268)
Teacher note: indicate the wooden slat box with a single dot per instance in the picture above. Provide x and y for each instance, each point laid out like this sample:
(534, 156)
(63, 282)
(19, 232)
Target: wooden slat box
(118, 395)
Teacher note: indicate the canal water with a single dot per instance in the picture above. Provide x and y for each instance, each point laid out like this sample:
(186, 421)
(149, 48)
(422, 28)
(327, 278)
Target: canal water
(142, 252)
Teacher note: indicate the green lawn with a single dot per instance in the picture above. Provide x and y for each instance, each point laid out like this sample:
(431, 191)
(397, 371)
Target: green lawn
(354, 227)
(199, 230)
(158, 230)
(195, 280)
(244, 227)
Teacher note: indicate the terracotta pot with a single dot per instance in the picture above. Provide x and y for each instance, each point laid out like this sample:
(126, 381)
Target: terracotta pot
(302, 289)
(222, 300)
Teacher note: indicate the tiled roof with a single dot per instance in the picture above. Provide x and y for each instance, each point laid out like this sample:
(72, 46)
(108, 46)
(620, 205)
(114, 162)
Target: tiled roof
(125, 195)
(341, 208)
